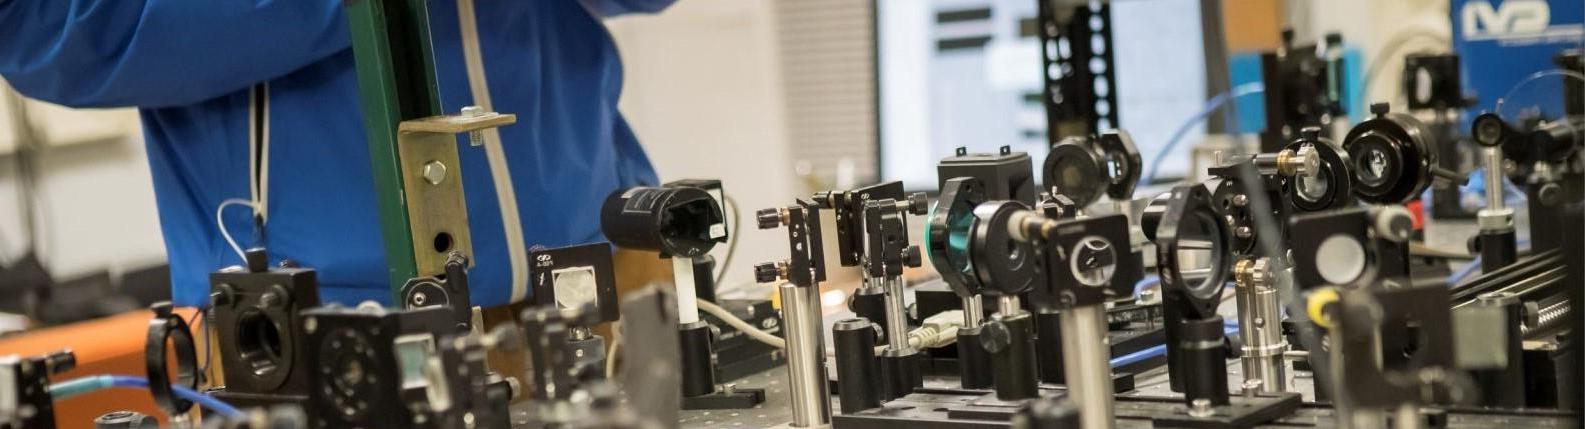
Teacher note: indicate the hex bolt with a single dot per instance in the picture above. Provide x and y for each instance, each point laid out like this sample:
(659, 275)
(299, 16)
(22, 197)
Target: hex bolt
(475, 137)
(434, 172)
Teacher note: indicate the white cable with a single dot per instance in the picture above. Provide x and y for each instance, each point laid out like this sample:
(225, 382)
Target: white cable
(495, 155)
(616, 345)
(742, 326)
(731, 245)
(221, 223)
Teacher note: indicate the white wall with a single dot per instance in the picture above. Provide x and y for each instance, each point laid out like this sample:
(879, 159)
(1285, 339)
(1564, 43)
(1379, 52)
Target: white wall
(1372, 24)
(96, 210)
(703, 93)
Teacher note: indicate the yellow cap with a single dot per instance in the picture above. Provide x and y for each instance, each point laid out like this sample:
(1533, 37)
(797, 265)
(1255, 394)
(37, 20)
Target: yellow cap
(1317, 303)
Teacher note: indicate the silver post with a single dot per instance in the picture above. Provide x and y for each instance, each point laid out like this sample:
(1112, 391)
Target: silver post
(973, 311)
(1087, 361)
(806, 371)
(896, 321)
(1258, 324)
(1493, 164)
(1008, 305)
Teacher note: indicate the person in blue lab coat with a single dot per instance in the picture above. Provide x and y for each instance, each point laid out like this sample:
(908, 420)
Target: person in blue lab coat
(257, 100)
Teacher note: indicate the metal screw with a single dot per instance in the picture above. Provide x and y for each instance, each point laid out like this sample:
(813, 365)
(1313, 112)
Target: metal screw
(1251, 387)
(1240, 200)
(1243, 232)
(434, 172)
(475, 137)
(1201, 408)
(419, 299)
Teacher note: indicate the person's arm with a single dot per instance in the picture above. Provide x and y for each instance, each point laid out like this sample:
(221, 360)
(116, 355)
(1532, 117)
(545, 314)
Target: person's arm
(611, 8)
(156, 53)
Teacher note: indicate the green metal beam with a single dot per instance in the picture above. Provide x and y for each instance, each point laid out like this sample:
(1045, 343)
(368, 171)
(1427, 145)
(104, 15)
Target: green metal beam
(396, 82)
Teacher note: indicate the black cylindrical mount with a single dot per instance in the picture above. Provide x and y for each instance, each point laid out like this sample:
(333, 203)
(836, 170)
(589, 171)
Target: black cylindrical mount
(676, 221)
(900, 373)
(1048, 347)
(1172, 327)
(857, 368)
(698, 373)
(1204, 360)
(1497, 249)
(1011, 340)
(974, 362)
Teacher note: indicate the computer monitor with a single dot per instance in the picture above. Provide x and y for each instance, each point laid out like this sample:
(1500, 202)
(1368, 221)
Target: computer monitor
(966, 73)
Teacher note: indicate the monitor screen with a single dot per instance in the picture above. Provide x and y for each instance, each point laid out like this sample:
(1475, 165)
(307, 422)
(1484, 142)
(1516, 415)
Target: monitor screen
(966, 73)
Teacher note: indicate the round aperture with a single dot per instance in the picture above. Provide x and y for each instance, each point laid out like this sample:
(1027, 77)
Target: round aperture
(1198, 254)
(1093, 261)
(348, 378)
(259, 342)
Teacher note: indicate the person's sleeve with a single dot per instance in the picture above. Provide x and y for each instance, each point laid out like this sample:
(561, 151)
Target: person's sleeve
(611, 8)
(156, 53)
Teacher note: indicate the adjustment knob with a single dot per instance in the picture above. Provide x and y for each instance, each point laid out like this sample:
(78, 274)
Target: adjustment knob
(911, 257)
(768, 218)
(918, 204)
(766, 272)
(60, 361)
(994, 336)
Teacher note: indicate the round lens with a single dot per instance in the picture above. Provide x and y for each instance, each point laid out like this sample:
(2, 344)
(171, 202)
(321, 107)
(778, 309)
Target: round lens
(1373, 167)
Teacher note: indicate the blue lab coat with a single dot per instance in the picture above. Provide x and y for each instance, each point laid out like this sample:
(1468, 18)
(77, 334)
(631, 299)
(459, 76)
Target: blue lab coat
(258, 99)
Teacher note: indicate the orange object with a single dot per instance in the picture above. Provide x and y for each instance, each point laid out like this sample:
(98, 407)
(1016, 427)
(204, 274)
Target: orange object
(111, 345)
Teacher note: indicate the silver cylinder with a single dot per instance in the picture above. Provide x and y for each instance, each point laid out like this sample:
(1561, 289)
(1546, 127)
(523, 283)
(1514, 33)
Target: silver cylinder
(1087, 361)
(1008, 305)
(973, 311)
(806, 370)
(1493, 163)
(1259, 324)
(896, 321)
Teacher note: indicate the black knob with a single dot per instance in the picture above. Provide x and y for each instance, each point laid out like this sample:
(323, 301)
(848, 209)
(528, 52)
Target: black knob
(994, 336)
(1379, 109)
(161, 309)
(768, 218)
(60, 361)
(766, 272)
(1311, 133)
(918, 204)
(911, 257)
(222, 296)
(257, 260)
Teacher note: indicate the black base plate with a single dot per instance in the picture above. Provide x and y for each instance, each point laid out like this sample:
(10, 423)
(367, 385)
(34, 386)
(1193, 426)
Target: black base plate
(1243, 412)
(252, 400)
(738, 398)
